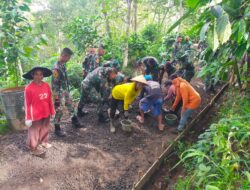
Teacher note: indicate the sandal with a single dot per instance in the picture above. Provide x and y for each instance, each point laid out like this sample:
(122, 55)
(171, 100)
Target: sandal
(139, 118)
(38, 152)
(46, 145)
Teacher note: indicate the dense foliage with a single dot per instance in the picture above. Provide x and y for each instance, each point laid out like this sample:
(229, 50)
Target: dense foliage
(223, 29)
(220, 158)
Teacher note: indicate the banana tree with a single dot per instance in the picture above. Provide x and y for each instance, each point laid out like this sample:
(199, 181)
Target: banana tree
(223, 25)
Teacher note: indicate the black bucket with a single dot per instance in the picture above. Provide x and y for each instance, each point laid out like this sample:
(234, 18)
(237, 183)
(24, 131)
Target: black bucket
(12, 104)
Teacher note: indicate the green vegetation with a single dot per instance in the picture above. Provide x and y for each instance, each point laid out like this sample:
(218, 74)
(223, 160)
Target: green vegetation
(3, 126)
(33, 32)
(222, 27)
(220, 158)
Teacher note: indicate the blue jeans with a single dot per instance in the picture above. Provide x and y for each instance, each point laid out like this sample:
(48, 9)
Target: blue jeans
(184, 119)
(154, 106)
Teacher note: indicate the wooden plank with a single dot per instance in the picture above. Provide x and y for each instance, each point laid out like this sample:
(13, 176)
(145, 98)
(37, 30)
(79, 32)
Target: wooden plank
(155, 166)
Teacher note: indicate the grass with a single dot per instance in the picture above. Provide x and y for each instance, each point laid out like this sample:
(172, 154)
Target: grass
(220, 158)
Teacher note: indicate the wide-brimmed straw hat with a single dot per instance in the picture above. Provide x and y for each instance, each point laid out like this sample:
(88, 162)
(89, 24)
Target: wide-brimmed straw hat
(46, 72)
(140, 79)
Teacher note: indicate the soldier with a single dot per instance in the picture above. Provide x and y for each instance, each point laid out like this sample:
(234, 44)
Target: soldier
(167, 67)
(187, 44)
(92, 60)
(98, 79)
(186, 68)
(60, 89)
(120, 77)
(150, 66)
(177, 48)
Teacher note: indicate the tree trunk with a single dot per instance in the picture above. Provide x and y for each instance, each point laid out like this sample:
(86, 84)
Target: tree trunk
(248, 71)
(181, 11)
(125, 59)
(135, 16)
(236, 71)
(106, 19)
(20, 69)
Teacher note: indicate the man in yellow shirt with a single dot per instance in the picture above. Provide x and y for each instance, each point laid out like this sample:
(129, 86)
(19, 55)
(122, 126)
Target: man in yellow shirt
(126, 94)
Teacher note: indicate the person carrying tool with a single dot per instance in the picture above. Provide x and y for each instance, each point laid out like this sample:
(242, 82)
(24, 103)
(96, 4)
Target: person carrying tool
(190, 98)
(97, 79)
(151, 102)
(125, 94)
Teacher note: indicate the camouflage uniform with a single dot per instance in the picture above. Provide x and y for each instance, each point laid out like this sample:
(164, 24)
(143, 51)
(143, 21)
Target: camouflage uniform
(91, 62)
(167, 67)
(187, 68)
(112, 63)
(60, 89)
(187, 45)
(178, 51)
(97, 79)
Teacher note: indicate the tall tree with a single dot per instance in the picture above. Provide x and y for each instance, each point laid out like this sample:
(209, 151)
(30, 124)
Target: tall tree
(105, 9)
(128, 21)
(135, 15)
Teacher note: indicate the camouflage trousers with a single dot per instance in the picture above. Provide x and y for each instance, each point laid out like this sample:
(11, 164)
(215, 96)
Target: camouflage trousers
(188, 74)
(63, 95)
(86, 97)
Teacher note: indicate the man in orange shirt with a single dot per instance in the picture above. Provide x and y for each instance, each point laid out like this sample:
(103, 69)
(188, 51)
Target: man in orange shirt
(190, 98)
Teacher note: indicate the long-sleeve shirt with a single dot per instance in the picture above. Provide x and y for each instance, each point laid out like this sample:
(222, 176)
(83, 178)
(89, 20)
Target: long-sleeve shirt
(125, 92)
(38, 101)
(190, 97)
(170, 93)
(152, 91)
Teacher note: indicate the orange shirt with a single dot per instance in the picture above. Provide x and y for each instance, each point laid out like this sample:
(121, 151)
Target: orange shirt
(183, 90)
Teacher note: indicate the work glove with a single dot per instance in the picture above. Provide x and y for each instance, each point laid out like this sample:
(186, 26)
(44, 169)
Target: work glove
(126, 114)
(28, 123)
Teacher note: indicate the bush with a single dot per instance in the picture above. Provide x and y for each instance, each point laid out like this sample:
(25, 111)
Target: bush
(220, 159)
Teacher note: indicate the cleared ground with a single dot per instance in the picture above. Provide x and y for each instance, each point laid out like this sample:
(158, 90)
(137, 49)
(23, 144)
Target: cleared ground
(89, 158)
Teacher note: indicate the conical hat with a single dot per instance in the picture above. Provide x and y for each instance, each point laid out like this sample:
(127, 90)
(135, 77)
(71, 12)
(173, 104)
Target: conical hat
(46, 72)
(140, 79)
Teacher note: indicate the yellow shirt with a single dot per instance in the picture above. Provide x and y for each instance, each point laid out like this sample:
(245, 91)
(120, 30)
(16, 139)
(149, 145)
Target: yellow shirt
(125, 92)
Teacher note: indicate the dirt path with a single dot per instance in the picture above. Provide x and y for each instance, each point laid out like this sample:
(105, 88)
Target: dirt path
(89, 158)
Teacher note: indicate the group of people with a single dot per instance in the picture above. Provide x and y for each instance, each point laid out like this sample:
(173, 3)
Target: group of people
(43, 103)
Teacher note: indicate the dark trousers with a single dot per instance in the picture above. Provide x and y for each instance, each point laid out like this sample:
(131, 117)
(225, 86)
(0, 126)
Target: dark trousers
(113, 106)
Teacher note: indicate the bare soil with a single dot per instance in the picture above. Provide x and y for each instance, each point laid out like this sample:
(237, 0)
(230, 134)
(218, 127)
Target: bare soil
(168, 174)
(90, 158)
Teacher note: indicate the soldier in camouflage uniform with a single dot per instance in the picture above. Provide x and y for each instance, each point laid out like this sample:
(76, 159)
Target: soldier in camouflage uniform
(120, 78)
(60, 89)
(177, 52)
(186, 70)
(97, 79)
(168, 67)
(92, 60)
(187, 44)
